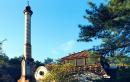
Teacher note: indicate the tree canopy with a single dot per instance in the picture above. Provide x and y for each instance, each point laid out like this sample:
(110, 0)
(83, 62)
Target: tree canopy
(110, 23)
(48, 61)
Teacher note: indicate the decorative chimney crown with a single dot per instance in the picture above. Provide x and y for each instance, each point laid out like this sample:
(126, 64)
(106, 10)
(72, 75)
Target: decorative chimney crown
(28, 9)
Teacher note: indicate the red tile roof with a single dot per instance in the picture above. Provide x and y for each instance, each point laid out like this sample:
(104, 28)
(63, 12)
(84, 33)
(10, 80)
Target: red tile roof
(82, 54)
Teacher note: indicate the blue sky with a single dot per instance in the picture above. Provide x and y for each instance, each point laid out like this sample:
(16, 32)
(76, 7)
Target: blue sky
(54, 27)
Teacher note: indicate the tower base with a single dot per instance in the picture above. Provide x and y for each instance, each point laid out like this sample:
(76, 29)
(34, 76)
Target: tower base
(22, 79)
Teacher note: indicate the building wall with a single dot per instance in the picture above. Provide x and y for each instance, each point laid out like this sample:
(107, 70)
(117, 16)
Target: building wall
(83, 61)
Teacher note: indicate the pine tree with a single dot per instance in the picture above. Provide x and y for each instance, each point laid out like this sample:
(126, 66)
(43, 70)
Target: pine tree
(109, 23)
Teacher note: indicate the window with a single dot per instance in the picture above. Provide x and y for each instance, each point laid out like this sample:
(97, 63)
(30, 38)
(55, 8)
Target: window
(80, 62)
(72, 62)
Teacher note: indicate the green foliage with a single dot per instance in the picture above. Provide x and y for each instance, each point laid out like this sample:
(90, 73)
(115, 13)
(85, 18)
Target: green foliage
(110, 23)
(48, 61)
(122, 76)
(38, 63)
(15, 61)
(3, 59)
(119, 60)
(58, 73)
(11, 68)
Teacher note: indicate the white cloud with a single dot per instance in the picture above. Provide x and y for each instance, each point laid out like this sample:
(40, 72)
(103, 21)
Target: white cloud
(68, 45)
(54, 51)
(65, 47)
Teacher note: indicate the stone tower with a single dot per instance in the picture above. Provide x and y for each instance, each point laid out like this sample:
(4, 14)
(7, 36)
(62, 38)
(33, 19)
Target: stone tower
(26, 64)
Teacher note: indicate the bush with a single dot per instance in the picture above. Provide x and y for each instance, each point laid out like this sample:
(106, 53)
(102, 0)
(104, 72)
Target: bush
(58, 73)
